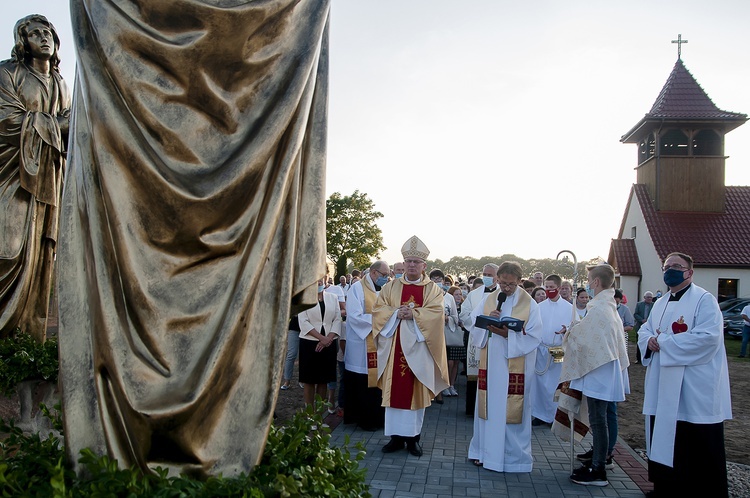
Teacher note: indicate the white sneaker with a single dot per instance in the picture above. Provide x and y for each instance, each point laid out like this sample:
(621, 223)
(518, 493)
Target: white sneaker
(446, 392)
(453, 391)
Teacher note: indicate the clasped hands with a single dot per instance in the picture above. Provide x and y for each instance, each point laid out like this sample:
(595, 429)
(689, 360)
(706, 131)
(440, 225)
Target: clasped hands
(501, 331)
(653, 343)
(323, 343)
(404, 313)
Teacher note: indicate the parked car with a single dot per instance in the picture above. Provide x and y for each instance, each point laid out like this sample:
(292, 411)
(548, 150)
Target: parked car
(731, 310)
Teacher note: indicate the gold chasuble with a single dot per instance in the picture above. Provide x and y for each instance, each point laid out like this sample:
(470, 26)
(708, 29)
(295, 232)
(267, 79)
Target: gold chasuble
(516, 376)
(371, 298)
(410, 372)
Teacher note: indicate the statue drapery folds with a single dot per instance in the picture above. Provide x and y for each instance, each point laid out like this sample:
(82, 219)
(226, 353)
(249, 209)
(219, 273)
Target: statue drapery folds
(193, 212)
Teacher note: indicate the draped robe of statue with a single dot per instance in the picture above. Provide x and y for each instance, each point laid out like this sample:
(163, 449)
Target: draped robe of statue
(32, 166)
(193, 224)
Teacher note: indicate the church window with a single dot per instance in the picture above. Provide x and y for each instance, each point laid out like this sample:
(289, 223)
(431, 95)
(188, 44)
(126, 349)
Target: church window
(727, 288)
(674, 143)
(707, 143)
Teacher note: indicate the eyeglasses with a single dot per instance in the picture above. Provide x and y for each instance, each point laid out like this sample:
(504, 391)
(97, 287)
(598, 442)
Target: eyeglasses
(412, 261)
(674, 267)
(380, 273)
(506, 285)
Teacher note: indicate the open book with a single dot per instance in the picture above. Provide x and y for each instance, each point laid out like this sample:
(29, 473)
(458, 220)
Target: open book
(483, 321)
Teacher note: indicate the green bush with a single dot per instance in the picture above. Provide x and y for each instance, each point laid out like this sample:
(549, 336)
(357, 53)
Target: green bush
(298, 461)
(23, 358)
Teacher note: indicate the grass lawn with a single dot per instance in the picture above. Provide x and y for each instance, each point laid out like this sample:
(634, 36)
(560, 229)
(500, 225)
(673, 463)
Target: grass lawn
(732, 344)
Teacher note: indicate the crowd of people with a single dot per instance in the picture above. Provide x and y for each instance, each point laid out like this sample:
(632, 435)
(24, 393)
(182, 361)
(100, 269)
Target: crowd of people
(399, 336)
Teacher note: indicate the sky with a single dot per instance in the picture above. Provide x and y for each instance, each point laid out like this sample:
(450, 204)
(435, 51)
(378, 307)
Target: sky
(488, 127)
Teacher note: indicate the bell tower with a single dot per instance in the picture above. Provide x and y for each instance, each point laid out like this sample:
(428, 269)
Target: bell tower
(681, 145)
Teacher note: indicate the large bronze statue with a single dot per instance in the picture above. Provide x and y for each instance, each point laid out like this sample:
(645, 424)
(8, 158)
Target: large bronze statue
(192, 223)
(34, 107)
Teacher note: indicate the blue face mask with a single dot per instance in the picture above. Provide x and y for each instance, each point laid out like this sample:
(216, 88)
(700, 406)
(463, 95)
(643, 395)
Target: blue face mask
(674, 277)
(488, 281)
(445, 287)
(381, 281)
(589, 290)
(399, 275)
(321, 288)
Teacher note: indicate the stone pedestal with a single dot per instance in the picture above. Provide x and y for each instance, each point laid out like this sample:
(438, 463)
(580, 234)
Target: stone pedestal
(25, 405)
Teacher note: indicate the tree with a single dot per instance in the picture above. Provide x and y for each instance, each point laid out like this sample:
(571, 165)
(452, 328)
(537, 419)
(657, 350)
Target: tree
(351, 230)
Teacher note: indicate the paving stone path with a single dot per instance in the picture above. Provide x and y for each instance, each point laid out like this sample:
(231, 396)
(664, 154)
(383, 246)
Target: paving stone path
(444, 469)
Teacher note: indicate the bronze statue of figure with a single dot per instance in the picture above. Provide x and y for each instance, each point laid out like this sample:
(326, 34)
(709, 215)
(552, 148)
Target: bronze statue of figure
(193, 223)
(34, 107)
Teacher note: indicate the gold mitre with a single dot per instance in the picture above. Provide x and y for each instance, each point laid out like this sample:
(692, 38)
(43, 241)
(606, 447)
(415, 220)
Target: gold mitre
(415, 248)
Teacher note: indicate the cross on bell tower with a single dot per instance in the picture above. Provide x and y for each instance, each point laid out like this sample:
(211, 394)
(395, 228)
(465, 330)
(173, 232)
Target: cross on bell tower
(679, 41)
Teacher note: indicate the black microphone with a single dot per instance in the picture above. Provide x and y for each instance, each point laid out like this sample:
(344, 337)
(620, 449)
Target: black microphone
(501, 299)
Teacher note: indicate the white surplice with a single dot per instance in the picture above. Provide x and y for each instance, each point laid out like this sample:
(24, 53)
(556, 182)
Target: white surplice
(499, 446)
(358, 327)
(472, 301)
(547, 377)
(688, 379)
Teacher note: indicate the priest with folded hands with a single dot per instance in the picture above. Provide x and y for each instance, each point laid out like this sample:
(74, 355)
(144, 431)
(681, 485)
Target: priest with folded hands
(687, 398)
(407, 324)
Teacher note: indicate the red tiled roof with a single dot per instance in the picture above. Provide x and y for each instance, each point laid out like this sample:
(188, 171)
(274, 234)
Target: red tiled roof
(712, 239)
(683, 99)
(623, 256)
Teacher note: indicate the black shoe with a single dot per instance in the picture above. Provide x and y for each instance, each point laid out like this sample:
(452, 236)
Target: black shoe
(587, 476)
(537, 422)
(609, 464)
(586, 457)
(413, 447)
(396, 443)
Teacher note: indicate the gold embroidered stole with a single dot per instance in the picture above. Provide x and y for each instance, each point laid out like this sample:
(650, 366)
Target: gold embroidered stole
(516, 366)
(372, 351)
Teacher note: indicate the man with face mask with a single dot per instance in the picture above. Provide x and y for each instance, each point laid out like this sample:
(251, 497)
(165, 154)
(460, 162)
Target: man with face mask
(474, 299)
(363, 398)
(556, 313)
(687, 396)
(398, 270)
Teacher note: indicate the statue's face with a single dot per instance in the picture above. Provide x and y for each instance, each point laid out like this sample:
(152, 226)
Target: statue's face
(40, 41)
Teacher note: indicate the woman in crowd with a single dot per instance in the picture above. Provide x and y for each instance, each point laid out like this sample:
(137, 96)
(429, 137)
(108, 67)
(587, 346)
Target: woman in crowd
(454, 341)
(450, 327)
(538, 294)
(566, 291)
(320, 326)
